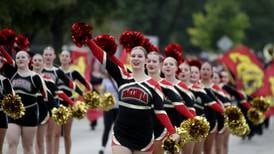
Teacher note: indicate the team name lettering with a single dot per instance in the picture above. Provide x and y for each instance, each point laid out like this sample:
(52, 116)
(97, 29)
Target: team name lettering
(135, 93)
(21, 83)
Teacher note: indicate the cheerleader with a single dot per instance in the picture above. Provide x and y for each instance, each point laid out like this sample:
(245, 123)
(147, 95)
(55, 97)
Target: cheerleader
(204, 105)
(139, 96)
(5, 89)
(54, 74)
(223, 135)
(220, 96)
(73, 75)
(28, 85)
(170, 67)
(173, 103)
(46, 106)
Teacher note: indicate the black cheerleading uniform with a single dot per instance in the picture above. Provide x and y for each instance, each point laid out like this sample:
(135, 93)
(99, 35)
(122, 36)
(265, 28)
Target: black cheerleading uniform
(174, 107)
(29, 88)
(238, 96)
(206, 105)
(72, 75)
(56, 75)
(133, 127)
(187, 95)
(5, 88)
(224, 99)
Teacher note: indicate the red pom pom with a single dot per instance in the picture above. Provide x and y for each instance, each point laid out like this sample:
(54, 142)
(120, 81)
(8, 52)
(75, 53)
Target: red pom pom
(107, 43)
(7, 37)
(81, 33)
(131, 39)
(21, 42)
(195, 62)
(149, 46)
(176, 51)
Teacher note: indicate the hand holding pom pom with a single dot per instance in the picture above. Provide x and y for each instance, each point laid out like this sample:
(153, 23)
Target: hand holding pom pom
(61, 115)
(235, 121)
(170, 146)
(197, 127)
(81, 33)
(261, 104)
(79, 110)
(107, 43)
(92, 99)
(255, 116)
(13, 106)
(107, 102)
(21, 42)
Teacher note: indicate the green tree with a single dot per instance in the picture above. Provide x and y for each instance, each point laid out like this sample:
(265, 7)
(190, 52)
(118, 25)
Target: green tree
(49, 21)
(166, 19)
(220, 18)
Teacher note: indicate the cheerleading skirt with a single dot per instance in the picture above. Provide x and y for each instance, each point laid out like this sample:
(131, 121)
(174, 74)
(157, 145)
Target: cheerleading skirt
(3, 119)
(31, 117)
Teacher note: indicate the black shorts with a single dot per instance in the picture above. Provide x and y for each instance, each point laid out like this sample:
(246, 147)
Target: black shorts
(31, 117)
(3, 120)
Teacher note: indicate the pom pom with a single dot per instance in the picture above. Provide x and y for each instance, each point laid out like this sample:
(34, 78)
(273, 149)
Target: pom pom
(261, 104)
(61, 115)
(197, 127)
(176, 51)
(170, 146)
(79, 110)
(12, 105)
(107, 43)
(149, 46)
(255, 116)
(107, 102)
(184, 136)
(235, 121)
(81, 33)
(7, 37)
(21, 42)
(131, 39)
(92, 99)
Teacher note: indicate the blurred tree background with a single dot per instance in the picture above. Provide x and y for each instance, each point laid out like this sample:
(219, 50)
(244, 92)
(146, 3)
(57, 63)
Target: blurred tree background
(195, 24)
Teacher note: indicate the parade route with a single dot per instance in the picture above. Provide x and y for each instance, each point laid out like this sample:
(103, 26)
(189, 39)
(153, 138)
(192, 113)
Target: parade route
(86, 141)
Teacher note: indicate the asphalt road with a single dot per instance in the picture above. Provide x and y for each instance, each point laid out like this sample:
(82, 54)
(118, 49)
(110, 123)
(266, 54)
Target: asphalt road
(86, 141)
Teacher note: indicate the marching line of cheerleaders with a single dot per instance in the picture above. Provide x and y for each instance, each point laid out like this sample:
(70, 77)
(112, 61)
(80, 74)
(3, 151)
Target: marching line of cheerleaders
(155, 96)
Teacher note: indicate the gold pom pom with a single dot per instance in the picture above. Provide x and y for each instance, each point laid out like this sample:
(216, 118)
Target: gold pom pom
(12, 105)
(235, 121)
(197, 127)
(261, 104)
(61, 115)
(92, 99)
(107, 102)
(184, 136)
(79, 110)
(255, 116)
(170, 146)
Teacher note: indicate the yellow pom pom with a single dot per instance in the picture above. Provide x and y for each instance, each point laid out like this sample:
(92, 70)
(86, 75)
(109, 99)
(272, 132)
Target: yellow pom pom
(61, 115)
(79, 110)
(261, 104)
(255, 116)
(107, 102)
(12, 105)
(235, 121)
(92, 99)
(197, 127)
(184, 136)
(170, 146)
